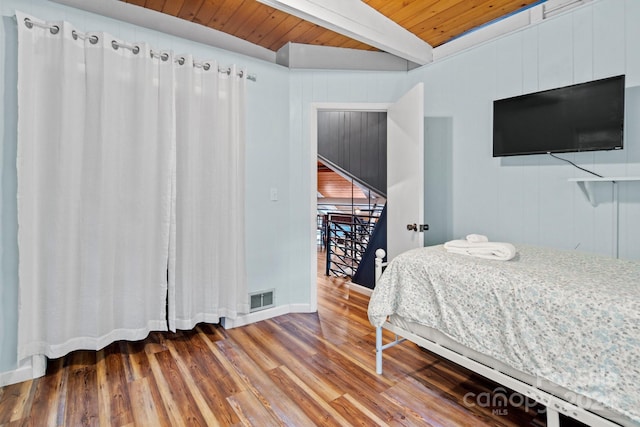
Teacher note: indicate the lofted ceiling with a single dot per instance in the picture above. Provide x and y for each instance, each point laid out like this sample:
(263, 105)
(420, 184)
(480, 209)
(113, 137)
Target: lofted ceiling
(333, 185)
(433, 21)
(337, 193)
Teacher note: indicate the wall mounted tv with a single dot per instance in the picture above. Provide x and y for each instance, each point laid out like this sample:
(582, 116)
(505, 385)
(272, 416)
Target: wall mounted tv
(581, 117)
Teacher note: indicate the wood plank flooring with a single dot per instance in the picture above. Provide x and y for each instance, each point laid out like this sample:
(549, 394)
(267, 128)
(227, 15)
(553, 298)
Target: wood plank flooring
(293, 370)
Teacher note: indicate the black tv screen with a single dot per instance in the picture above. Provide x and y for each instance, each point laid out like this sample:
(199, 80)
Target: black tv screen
(581, 117)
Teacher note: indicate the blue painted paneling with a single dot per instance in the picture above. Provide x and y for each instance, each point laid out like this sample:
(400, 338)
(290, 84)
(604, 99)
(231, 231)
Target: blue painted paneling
(530, 59)
(555, 52)
(632, 11)
(438, 200)
(8, 201)
(508, 66)
(583, 45)
(609, 43)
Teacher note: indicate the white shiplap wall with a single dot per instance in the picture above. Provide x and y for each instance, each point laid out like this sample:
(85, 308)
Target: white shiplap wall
(525, 199)
(307, 87)
(528, 198)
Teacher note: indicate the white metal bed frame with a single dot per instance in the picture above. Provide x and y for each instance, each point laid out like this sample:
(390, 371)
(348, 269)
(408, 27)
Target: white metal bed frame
(554, 405)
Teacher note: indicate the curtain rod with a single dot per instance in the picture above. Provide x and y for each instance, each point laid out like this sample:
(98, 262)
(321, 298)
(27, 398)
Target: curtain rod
(93, 39)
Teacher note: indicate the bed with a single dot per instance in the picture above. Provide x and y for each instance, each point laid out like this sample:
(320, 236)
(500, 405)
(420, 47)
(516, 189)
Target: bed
(560, 327)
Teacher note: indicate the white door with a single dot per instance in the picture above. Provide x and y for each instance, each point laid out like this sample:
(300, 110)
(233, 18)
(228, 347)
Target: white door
(405, 174)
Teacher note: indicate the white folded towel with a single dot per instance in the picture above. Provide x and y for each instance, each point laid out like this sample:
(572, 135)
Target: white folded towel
(477, 238)
(487, 250)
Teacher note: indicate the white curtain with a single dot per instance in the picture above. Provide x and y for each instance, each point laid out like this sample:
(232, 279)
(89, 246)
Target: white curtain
(207, 268)
(96, 143)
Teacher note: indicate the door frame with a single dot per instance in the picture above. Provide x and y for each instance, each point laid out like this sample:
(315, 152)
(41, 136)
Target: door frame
(313, 172)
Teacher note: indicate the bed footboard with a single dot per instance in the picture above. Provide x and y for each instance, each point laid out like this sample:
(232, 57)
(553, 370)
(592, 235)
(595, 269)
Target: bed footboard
(554, 405)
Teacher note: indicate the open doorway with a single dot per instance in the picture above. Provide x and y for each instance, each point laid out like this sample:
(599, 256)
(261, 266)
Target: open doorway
(405, 174)
(350, 185)
(348, 215)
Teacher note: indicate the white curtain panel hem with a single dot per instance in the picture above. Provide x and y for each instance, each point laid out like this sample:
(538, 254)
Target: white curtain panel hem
(53, 351)
(187, 324)
(209, 317)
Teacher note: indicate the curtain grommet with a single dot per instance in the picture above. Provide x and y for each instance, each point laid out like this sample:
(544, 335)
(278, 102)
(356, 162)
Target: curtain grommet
(28, 23)
(54, 29)
(114, 45)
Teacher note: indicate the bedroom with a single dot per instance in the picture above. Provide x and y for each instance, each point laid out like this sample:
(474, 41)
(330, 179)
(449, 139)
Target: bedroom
(520, 200)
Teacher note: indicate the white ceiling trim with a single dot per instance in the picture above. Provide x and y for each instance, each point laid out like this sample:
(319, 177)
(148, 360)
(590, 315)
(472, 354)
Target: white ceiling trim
(357, 20)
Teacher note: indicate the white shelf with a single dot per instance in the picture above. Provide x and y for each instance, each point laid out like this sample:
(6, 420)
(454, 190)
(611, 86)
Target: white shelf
(586, 185)
(606, 179)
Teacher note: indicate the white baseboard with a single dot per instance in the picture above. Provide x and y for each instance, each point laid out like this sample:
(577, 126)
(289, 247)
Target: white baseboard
(264, 315)
(301, 308)
(31, 368)
(360, 289)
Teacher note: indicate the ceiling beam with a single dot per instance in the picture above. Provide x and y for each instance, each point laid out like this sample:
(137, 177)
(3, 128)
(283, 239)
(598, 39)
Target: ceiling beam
(356, 19)
(296, 55)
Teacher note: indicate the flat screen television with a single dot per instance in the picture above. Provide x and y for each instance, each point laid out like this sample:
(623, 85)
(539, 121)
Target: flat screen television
(582, 117)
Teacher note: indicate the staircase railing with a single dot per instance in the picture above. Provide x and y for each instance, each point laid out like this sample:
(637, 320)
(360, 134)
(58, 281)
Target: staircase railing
(347, 237)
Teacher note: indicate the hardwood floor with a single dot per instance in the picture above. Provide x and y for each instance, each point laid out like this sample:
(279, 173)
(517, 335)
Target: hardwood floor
(293, 370)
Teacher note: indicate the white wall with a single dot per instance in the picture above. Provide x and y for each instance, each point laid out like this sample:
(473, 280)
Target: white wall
(525, 199)
(268, 161)
(307, 87)
(528, 199)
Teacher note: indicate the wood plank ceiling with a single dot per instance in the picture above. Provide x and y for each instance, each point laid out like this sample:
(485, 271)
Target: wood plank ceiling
(332, 185)
(434, 21)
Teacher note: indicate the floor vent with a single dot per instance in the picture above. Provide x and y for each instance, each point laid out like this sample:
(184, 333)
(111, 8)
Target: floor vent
(261, 300)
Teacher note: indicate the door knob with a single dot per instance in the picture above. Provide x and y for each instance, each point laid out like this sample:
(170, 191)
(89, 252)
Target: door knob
(415, 227)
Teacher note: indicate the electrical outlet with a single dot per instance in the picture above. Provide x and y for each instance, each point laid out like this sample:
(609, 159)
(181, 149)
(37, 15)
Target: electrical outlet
(273, 194)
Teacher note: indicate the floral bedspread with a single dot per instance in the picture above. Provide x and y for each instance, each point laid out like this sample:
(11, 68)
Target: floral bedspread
(571, 318)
